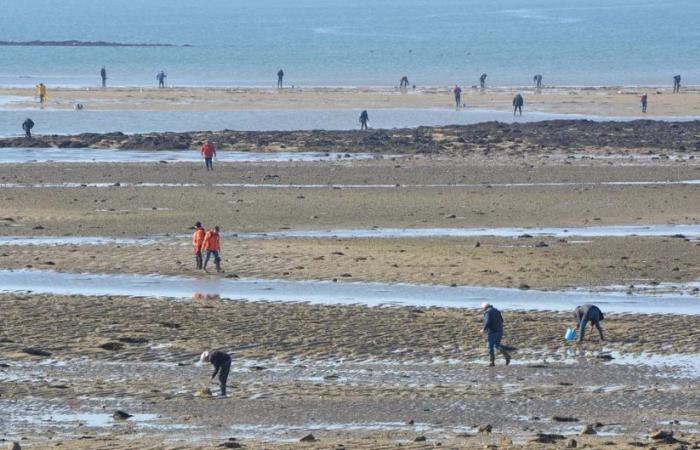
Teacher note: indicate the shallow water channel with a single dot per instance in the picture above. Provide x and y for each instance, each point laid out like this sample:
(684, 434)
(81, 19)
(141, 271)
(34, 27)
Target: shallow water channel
(650, 301)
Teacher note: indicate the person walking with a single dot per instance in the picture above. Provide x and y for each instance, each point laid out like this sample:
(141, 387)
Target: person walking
(41, 92)
(493, 329)
(588, 313)
(212, 246)
(538, 81)
(482, 80)
(403, 83)
(518, 103)
(457, 91)
(364, 118)
(222, 366)
(103, 75)
(161, 79)
(197, 242)
(676, 84)
(27, 126)
(643, 101)
(280, 77)
(208, 152)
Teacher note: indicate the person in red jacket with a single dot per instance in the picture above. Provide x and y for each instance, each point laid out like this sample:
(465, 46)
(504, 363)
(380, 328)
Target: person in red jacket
(197, 242)
(212, 245)
(208, 152)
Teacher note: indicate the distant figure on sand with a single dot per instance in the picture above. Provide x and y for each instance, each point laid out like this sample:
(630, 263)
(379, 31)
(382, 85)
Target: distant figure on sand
(212, 246)
(208, 152)
(676, 84)
(280, 77)
(403, 83)
(538, 81)
(41, 92)
(197, 242)
(643, 101)
(103, 75)
(27, 126)
(222, 365)
(588, 313)
(518, 103)
(457, 91)
(482, 80)
(364, 118)
(493, 329)
(161, 79)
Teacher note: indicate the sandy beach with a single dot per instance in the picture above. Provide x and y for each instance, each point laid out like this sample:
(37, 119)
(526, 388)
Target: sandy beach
(596, 101)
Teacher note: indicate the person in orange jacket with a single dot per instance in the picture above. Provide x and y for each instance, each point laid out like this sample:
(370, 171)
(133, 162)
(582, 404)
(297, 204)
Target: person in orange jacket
(212, 245)
(197, 241)
(208, 152)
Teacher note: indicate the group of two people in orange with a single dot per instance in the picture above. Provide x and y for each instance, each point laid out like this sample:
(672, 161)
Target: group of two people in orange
(208, 152)
(207, 243)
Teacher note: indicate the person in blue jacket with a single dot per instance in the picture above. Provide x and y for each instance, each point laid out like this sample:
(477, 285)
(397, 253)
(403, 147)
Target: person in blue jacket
(493, 329)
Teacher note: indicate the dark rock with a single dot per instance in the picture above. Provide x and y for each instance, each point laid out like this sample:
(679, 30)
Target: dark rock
(564, 419)
(121, 415)
(308, 438)
(547, 438)
(588, 430)
(485, 428)
(36, 352)
(230, 445)
(420, 439)
(572, 443)
(524, 286)
(133, 340)
(112, 346)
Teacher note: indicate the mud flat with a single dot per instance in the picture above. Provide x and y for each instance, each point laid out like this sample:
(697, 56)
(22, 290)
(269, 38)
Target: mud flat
(346, 374)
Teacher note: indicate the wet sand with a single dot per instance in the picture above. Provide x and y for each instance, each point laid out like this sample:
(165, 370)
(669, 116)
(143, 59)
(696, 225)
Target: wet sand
(354, 376)
(603, 101)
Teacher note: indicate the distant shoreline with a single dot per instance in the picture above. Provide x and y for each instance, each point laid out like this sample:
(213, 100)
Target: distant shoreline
(76, 43)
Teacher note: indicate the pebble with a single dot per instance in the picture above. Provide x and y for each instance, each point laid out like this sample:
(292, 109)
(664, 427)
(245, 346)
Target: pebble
(308, 438)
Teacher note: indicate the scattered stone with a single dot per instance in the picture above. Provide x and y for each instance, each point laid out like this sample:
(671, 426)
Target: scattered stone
(451, 216)
(411, 422)
(478, 244)
(525, 236)
(572, 443)
(230, 445)
(485, 428)
(308, 438)
(541, 244)
(420, 439)
(121, 415)
(588, 430)
(203, 392)
(524, 286)
(14, 446)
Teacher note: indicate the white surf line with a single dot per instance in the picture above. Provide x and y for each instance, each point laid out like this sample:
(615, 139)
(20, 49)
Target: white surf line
(346, 186)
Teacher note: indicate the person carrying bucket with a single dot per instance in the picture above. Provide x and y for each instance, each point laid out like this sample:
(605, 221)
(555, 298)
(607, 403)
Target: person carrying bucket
(493, 329)
(588, 313)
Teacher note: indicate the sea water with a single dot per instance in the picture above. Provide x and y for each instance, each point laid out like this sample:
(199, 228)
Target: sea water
(354, 43)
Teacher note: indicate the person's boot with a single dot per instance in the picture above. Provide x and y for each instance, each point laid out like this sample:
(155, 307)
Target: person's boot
(506, 355)
(492, 358)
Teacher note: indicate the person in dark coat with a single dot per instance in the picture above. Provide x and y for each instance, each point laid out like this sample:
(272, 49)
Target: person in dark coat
(676, 84)
(364, 118)
(482, 80)
(27, 126)
(103, 75)
(588, 313)
(538, 81)
(280, 78)
(493, 329)
(518, 103)
(222, 365)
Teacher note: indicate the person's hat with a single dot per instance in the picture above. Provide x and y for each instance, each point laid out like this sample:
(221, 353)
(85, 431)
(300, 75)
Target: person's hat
(204, 356)
(198, 224)
(485, 305)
